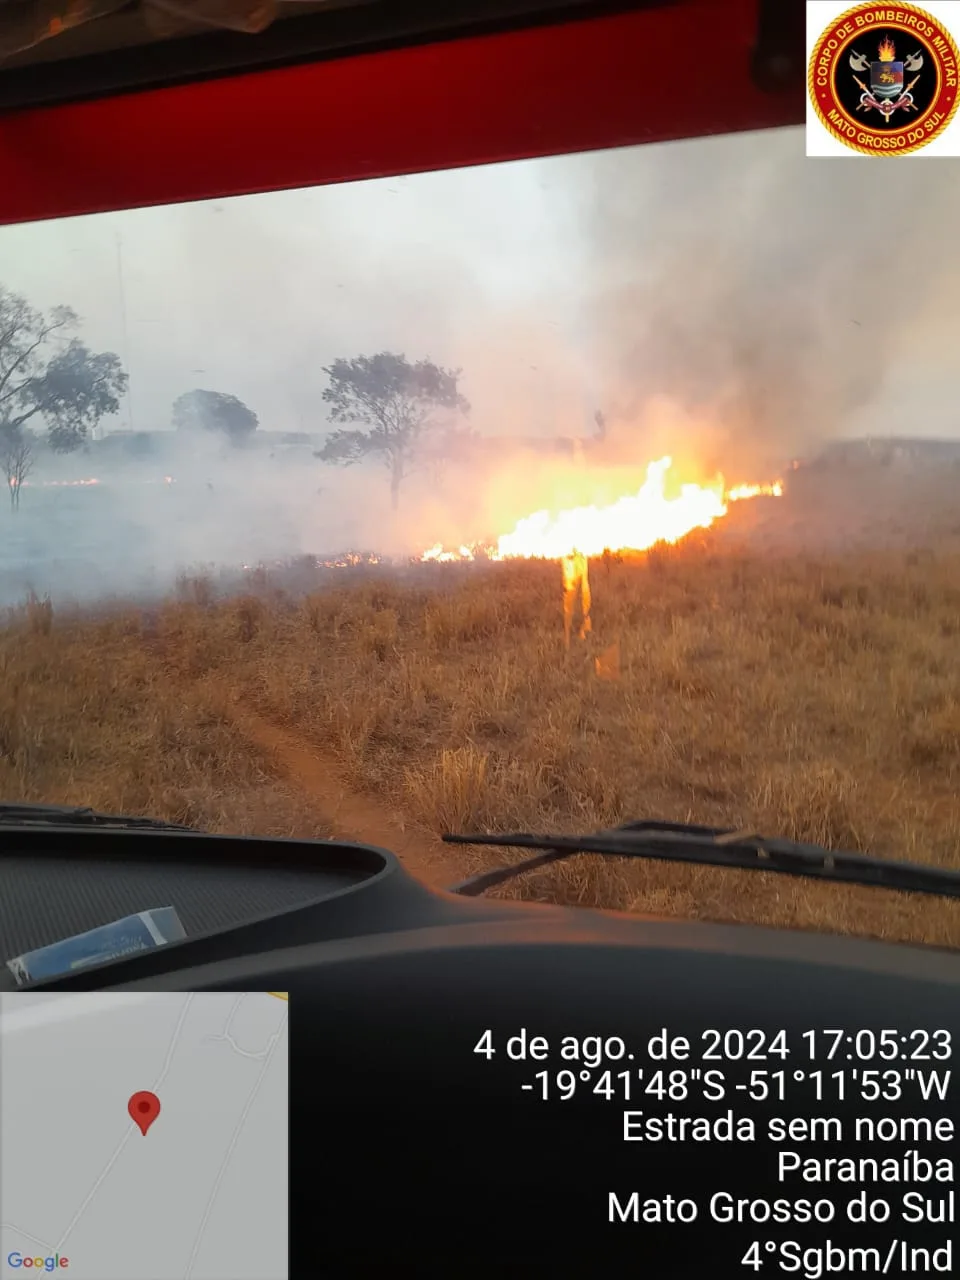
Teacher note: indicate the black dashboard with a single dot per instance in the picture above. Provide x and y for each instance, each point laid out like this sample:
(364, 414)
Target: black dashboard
(473, 1083)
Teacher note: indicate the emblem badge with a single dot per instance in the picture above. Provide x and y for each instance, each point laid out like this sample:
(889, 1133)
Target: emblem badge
(884, 81)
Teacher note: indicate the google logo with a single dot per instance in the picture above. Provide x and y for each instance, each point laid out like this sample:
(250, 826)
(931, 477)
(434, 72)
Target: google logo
(17, 1260)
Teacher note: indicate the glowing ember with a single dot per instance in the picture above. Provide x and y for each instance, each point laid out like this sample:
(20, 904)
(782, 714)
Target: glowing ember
(438, 554)
(634, 523)
(348, 560)
(741, 491)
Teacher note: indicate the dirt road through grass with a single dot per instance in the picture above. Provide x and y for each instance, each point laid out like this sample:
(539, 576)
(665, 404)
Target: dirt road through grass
(348, 816)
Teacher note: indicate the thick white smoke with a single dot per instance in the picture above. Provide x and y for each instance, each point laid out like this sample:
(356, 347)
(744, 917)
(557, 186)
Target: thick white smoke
(728, 301)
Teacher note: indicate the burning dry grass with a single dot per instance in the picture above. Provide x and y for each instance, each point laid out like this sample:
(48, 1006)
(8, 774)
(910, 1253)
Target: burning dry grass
(815, 699)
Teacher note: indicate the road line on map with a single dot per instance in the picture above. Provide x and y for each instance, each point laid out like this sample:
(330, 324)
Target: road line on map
(225, 1034)
(229, 1022)
(93, 1191)
(173, 1043)
(242, 1053)
(230, 1149)
(126, 1137)
(10, 1226)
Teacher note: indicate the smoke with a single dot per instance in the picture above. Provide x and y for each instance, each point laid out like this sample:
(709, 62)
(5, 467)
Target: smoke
(766, 300)
(727, 301)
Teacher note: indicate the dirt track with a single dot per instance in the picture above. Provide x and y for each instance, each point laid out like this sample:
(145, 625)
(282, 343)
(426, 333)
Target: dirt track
(348, 815)
(317, 777)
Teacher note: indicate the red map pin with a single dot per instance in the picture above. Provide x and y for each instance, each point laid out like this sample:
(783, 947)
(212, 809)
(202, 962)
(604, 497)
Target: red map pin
(144, 1108)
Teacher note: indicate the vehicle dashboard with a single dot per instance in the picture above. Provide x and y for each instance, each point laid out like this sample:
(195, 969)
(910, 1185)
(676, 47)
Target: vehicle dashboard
(427, 1106)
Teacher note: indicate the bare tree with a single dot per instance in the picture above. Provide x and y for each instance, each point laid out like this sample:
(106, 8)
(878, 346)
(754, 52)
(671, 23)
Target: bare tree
(16, 461)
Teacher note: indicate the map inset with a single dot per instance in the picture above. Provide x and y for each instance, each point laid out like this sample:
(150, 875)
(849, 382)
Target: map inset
(145, 1136)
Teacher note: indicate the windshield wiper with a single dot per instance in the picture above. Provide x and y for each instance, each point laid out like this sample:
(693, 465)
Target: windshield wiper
(710, 846)
(79, 816)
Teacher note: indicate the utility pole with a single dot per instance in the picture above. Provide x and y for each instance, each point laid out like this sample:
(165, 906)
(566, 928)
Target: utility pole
(126, 332)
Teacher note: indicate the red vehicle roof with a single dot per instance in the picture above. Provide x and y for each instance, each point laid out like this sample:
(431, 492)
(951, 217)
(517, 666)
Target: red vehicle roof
(647, 75)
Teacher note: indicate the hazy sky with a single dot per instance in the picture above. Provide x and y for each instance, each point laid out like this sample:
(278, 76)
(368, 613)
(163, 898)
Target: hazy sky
(260, 292)
(773, 294)
(727, 301)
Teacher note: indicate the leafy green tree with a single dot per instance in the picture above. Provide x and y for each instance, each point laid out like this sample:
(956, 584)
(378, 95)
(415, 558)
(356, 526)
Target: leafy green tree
(214, 411)
(406, 414)
(47, 376)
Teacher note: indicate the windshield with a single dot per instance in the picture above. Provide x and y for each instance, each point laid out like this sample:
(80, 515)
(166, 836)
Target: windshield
(541, 496)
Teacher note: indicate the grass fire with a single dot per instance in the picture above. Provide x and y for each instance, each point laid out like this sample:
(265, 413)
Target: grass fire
(443, 693)
(344, 545)
(634, 523)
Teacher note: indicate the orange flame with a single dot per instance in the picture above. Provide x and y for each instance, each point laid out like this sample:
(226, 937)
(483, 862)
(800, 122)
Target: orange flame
(741, 491)
(445, 557)
(887, 51)
(634, 523)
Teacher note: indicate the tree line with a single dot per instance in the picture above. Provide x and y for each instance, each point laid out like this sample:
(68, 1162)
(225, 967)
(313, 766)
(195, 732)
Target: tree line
(409, 415)
(49, 378)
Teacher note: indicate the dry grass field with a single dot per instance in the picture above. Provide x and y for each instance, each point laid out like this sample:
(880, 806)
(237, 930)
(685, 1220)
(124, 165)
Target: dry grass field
(814, 696)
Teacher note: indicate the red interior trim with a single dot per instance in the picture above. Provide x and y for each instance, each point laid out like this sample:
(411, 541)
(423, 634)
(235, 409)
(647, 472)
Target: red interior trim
(639, 77)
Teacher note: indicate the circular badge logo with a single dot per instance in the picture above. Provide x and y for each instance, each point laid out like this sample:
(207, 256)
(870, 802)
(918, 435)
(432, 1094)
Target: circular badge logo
(883, 79)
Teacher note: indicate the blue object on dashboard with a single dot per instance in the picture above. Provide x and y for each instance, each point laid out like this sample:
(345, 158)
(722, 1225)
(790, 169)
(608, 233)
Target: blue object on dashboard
(140, 932)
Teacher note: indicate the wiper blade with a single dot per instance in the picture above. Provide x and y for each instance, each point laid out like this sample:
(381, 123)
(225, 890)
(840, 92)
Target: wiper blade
(79, 816)
(710, 846)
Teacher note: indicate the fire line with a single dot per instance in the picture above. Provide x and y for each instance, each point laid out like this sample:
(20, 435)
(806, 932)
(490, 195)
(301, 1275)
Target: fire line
(633, 523)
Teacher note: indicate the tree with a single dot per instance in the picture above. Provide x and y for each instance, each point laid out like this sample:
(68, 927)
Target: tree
(69, 390)
(16, 461)
(404, 408)
(214, 411)
(601, 423)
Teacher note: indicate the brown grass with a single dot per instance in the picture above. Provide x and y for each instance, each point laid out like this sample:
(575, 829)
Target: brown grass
(88, 717)
(812, 698)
